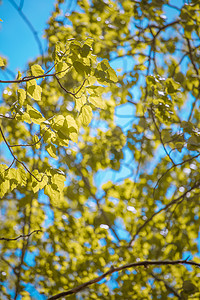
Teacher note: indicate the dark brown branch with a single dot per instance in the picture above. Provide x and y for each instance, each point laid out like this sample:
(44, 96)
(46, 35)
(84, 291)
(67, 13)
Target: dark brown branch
(166, 26)
(28, 78)
(7, 117)
(20, 236)
(124, 267)
(25, 79)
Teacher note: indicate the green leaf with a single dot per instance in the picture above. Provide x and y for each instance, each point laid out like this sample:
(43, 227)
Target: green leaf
(86, 49)
(97, 101)
(36, 141)
(79, 67)
(58, 121)
(35, 115)
(58, 180)
(34, 90)
(51, 149)
(21, 96)
(38, 185)
(12, 176)
(61, 69)
(79, 102)
(1, 62)
(52, 191)
(5, 187)
(172, 86)
(19, 75)
(85, 116)
(21, 176)
(112, 75)
(36, 70)
(189, 288)
(193, 141)
(72, 128)
(187, 126)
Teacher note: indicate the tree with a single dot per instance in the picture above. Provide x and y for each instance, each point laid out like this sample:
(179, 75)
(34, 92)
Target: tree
(101, 197)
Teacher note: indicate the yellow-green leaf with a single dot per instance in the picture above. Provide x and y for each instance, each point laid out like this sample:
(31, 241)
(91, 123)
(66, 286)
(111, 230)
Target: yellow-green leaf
(79, 102)
(85, 116)
(72, 128)
(21, 96)
(58, 180)
(34, 90)
(97, 101)
(52, 191)
(51, 149)
(19, 75)
(36, 70)
(1, 62)
(61, 69)
(35, 115)
(36, 141)
(112, 75)
(5, 187)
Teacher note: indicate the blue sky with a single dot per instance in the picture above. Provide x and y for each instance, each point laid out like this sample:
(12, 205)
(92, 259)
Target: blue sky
(17, 42)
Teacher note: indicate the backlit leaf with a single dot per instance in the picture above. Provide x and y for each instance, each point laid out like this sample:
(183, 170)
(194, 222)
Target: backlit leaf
(36, 70)
(35, 115)
(34, 90)
(85, 116)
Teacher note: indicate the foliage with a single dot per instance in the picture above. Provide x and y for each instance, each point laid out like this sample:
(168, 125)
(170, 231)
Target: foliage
(99, 176)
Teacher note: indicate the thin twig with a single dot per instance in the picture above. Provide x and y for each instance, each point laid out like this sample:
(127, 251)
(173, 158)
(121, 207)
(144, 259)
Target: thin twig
(15, 158)
(174, 166)
(30, 145)
(162, 209)
(154, 121)
(20, 236)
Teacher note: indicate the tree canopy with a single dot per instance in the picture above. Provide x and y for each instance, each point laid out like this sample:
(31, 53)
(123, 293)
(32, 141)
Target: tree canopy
(99, 173)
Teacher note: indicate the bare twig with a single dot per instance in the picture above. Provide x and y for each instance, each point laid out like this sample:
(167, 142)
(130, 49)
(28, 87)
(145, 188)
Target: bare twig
(20, 236)
(25, 79)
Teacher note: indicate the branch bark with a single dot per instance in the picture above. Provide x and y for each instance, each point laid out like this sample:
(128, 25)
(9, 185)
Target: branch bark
(127, 266)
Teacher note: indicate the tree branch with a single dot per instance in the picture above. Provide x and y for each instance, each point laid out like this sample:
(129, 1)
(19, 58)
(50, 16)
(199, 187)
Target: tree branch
(124, 267)
(20, 236)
